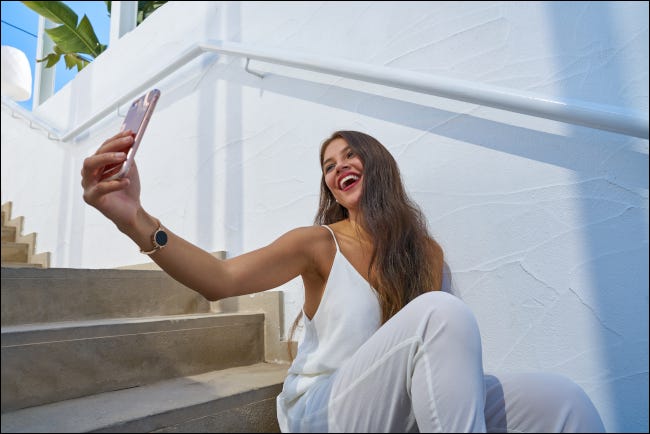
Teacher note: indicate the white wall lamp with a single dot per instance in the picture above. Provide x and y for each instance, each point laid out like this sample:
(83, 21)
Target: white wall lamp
(16, 74)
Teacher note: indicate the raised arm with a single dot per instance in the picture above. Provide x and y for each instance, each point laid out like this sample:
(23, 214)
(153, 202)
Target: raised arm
(286, 258)
(289, 256)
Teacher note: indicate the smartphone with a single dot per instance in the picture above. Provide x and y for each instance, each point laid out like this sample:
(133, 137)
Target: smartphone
(136, 120)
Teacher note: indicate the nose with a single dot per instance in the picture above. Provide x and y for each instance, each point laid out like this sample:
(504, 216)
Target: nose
(340, 167)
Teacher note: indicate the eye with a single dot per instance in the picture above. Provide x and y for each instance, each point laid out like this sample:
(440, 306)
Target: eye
(350, 154)
(329, 167)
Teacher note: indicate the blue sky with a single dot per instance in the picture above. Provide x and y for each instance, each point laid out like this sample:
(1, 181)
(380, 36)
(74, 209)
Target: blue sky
(20, 27)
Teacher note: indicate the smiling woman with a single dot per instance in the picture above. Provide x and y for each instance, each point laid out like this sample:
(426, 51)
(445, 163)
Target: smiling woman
(376, 321)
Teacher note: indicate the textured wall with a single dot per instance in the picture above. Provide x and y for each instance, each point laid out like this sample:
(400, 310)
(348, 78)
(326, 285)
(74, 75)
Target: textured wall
(544, 224)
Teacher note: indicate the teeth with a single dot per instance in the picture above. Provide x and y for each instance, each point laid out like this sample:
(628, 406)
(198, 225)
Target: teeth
(346, 179)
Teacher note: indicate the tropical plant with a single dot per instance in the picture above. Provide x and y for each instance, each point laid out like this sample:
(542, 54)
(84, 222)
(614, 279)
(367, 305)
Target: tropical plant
(76, 40)
(145, 8)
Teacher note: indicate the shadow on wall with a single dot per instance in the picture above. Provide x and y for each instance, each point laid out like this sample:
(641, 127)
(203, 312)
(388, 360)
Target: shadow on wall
(616, 250)
(535, 145)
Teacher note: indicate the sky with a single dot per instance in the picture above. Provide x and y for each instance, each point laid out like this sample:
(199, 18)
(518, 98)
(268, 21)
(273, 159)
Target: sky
(20, 28)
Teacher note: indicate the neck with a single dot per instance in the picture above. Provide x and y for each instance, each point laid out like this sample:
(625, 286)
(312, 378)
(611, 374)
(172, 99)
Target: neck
(354, 217)
(357, 230)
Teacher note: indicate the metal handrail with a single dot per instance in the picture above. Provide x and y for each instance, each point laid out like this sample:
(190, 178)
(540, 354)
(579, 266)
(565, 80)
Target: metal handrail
(598, 116)
(34, 121)
(602, 117)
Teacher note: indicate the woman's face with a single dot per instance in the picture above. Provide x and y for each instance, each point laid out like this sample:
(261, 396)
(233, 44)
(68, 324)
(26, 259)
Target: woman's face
(343, 171)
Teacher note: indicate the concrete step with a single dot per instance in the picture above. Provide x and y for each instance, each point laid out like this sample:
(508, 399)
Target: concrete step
(15, 252)
(44, 363)
(20, 265)
(32, 295)
(8, 234)
(239, 399)
(13, 255)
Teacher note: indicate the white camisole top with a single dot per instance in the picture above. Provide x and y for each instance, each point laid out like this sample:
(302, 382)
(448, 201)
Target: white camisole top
(348, 314)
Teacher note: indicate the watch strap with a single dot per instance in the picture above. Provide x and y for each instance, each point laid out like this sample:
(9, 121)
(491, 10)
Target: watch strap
(159, 240)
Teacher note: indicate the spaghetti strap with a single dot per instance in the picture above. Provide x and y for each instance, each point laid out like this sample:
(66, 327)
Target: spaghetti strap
(333, 236)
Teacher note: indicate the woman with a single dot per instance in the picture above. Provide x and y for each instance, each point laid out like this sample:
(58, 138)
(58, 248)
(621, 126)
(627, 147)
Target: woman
(384, 350)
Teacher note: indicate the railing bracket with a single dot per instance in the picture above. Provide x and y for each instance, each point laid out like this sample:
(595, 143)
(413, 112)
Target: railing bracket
(259, 74)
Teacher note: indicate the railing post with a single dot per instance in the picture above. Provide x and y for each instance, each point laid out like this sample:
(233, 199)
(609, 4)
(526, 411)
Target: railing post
(43, 77)
(124, 17)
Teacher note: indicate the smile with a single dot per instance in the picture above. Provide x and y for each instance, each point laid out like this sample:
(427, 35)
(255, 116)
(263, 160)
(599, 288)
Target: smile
(348, 181)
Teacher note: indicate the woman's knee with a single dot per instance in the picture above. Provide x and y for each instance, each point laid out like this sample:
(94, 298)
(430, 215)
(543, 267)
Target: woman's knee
(440, 300)
(440, 309)
(581, 414)
(546, 402)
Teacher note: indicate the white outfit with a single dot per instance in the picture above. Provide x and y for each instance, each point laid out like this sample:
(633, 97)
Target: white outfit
(419, 372)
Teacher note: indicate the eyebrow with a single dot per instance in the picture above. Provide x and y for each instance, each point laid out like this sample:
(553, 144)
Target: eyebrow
(347, 148)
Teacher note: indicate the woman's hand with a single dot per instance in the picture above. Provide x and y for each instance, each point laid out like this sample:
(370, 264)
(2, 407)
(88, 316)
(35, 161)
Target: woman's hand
(119, 199)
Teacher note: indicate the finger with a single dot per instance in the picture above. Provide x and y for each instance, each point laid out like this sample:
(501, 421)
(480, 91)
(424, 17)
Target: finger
(93, 163)
(118, 142)
(124, 133)
(104, 188)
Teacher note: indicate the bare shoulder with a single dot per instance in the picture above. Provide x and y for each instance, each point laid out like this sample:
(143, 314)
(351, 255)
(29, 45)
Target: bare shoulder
(315, 243)
(296, 252)
(307, 234)
(319, 252)
(306, 240)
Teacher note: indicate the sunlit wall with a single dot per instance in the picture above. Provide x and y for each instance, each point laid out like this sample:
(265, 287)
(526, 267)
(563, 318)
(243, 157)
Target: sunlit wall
(544, 224)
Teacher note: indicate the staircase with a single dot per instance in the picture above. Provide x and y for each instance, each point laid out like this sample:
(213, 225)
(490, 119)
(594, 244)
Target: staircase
(18, 250)
(135, 351)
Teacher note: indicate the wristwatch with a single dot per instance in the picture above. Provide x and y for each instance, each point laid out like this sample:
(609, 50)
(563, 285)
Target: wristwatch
(159, 240)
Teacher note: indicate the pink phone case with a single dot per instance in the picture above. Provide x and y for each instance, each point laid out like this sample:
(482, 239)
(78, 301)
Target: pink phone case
(136, 120)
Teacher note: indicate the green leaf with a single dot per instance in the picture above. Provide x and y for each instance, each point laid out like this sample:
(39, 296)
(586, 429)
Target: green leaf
(52, 59)
(87, 33)
(65, 39)
(72, 60)
(146, 8)
(54, 11)
(71, 39)
(81, 39)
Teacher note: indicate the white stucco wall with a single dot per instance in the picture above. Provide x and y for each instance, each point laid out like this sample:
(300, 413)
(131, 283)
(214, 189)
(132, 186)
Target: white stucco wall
(544, 224)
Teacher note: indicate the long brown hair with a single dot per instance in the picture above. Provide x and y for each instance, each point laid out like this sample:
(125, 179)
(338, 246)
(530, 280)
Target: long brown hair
(406, 261)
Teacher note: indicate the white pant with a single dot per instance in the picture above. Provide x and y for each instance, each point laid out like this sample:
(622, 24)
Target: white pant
(422, 371)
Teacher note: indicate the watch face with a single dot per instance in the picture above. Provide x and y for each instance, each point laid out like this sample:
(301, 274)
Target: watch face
(161, 238)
